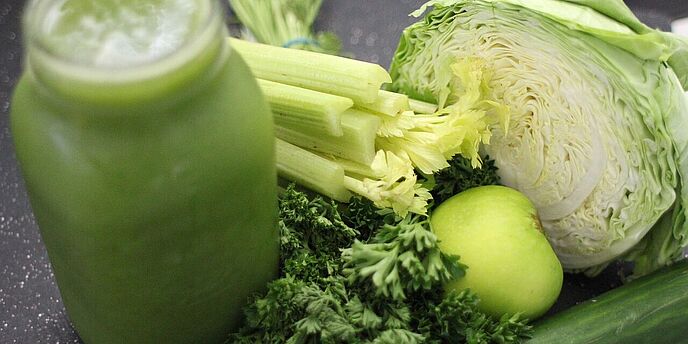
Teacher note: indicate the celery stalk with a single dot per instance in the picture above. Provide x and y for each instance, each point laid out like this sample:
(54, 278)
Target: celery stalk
(275, 22)
(285, 23)
(357, 143)
(356, 186)
(311, 171)
(360, 81)
(387, 103)
(422, 107)
(352, 168)
(303, 107)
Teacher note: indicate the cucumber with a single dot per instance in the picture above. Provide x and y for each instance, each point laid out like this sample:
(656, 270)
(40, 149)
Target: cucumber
(652, 309)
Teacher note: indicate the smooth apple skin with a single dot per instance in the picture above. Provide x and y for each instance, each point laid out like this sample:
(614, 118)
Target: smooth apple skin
(496, 232)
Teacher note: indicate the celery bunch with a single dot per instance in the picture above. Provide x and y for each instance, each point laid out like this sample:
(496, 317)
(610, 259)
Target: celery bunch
(285, 23)
(339, 134)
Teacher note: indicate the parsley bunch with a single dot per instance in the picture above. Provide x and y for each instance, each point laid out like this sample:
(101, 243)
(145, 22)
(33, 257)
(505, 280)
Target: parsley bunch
(364, 276)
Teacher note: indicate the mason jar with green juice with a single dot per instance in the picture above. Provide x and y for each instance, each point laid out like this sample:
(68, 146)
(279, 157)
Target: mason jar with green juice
(148, 154)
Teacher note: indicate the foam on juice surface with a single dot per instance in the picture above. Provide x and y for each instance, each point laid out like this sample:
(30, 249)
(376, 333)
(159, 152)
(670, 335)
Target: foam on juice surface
(119, 33)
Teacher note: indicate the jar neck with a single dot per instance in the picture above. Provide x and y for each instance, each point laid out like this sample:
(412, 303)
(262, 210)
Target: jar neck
(162, 79)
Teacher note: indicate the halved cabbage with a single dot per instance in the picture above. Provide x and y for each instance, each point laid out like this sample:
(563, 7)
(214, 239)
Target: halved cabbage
(599, 119)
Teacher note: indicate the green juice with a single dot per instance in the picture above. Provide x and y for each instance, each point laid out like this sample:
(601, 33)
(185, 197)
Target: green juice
(148, 154)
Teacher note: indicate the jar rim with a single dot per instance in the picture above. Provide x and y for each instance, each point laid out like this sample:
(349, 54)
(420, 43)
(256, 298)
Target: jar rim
(40, 55)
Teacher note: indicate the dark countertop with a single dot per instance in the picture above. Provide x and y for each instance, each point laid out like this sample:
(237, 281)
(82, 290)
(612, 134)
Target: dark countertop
(30, 307)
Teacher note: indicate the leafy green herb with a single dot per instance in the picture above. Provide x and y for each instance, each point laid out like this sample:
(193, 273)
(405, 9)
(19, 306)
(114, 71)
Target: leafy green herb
(454, 316)
(401, 258)
(311, 235)
(461, 176)
(385, 290)
(294, 311)
(362, 215)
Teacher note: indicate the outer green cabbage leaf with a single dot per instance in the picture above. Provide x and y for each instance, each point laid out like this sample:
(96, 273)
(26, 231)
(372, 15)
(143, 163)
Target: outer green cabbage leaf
(610, 21)
(617, 10)
(599, 121)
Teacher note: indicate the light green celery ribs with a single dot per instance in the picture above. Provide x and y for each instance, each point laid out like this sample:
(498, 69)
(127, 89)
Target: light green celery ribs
(599, 120)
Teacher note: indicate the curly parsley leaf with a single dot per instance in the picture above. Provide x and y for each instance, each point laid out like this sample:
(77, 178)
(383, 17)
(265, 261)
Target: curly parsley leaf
(443, 318)
(401, 258)
(312, 233)
(461, 176)
(362, 215)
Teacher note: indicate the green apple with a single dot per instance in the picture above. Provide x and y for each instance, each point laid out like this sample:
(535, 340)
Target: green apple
(496, 232)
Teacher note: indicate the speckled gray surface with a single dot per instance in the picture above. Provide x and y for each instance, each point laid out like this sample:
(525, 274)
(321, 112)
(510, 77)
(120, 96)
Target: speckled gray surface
(368, 29)
(30, 306)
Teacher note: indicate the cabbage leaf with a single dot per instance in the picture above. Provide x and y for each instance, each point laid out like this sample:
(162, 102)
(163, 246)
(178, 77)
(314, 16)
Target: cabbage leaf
(599, 119)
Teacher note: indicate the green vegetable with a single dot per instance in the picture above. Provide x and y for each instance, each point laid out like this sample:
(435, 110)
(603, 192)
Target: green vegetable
(461, 176)
(422, 107)
(312, 171)
(388, 103)
(390, 182)
(597, 137)
(311, 236)
(322, 298)
(400, 258)
(285, 23)
(303, 108)
(362, 215)
(340, 76)
(653, 309)
(454, 320)
(456, 129)
(357, 142)
(381, 141)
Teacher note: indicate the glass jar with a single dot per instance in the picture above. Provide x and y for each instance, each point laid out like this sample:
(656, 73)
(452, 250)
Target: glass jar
(148, 154)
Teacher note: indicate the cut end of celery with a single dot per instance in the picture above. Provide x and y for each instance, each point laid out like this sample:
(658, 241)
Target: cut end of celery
(357, 143)
(387, 103)
(311, 171)
(304, 108)
(422, 107)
